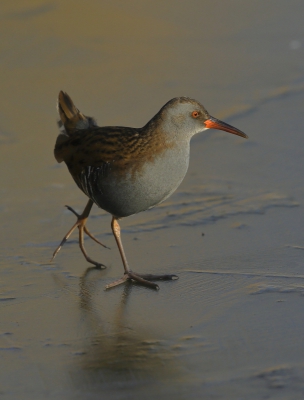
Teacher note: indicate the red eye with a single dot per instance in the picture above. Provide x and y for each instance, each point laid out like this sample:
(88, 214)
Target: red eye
(195, 114)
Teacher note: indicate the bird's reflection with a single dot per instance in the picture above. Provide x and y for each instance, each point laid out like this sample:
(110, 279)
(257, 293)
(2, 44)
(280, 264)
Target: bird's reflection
(116, 351)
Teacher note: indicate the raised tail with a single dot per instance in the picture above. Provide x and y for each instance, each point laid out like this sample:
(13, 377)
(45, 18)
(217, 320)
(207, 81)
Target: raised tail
(70, 117)
(71, 120)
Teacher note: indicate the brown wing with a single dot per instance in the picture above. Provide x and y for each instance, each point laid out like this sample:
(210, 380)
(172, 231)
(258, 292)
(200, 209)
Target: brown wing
(98, 146)
(92, 154)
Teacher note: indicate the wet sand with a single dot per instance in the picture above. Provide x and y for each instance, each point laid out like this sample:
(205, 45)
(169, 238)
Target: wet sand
(232, 326)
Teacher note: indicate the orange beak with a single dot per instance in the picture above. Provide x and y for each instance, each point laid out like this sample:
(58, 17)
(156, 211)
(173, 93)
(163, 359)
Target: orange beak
(214, 123)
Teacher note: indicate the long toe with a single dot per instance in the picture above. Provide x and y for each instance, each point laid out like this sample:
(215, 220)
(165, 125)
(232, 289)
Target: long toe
(118, 282)
(142, 279)
(130, 276)
(151, 277)
(82, 248)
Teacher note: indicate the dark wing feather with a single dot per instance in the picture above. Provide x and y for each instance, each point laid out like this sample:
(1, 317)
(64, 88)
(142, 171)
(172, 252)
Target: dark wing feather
(90, 178)
(92, 154)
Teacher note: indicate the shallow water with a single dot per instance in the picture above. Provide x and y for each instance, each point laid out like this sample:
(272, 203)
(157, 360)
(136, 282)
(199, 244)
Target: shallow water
(231, 326)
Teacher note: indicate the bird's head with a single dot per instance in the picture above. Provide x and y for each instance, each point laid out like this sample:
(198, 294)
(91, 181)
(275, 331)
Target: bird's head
(183, 117)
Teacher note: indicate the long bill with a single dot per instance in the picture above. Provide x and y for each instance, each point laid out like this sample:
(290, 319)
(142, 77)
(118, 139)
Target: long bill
(214, 123)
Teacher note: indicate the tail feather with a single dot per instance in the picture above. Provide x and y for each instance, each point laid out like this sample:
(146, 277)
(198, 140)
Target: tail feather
(66, 107)
(71, 120)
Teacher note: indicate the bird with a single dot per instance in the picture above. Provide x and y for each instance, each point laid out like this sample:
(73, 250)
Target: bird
(126, 170)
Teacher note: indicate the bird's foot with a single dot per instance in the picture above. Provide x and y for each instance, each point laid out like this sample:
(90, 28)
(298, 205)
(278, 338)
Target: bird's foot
(81, 222)
(142, 279)
(81, 225)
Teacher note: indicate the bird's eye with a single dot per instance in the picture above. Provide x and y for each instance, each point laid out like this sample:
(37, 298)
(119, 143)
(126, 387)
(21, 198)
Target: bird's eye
(195, 114)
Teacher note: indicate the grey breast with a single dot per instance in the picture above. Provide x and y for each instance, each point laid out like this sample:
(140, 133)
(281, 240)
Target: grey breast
(134, 193)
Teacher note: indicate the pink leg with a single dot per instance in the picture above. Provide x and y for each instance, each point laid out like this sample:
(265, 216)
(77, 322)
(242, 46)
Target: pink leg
(129, 275)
